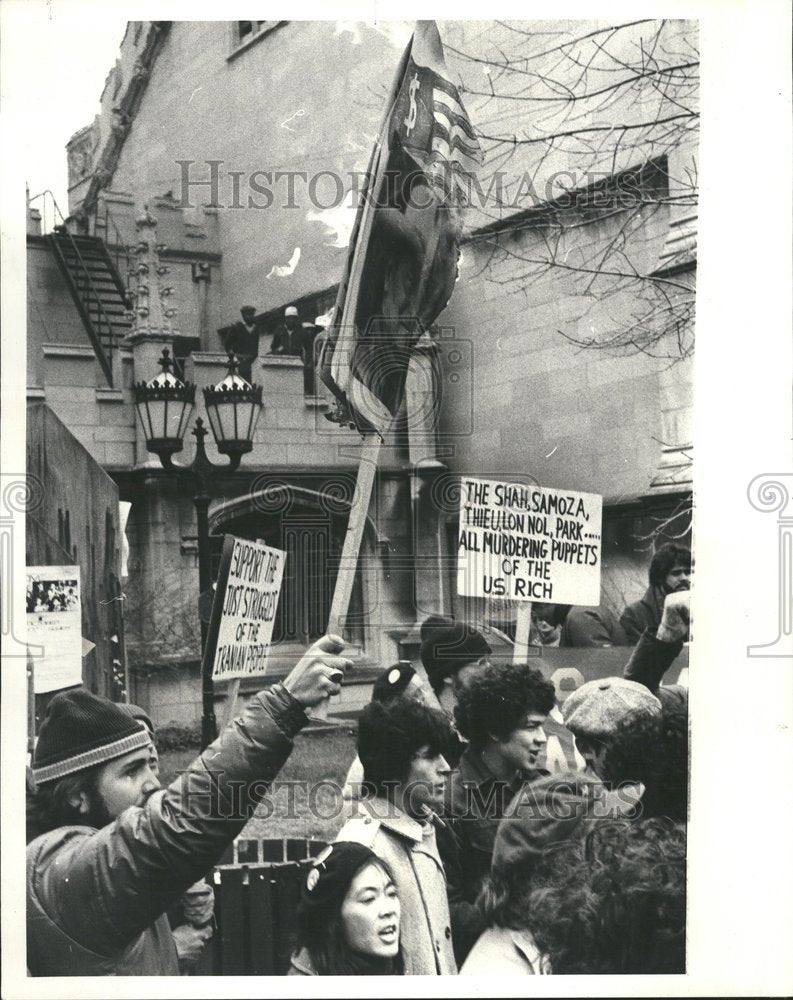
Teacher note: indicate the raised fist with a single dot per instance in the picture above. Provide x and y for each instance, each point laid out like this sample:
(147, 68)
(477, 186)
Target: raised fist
(319, 672)
(676, 617)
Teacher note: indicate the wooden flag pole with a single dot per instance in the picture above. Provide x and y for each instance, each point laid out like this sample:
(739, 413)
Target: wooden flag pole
(232, 692)
(31, 672)
(367, 467)
(520, 652)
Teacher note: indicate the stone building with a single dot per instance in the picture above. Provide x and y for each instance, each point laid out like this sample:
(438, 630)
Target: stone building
(234, 134)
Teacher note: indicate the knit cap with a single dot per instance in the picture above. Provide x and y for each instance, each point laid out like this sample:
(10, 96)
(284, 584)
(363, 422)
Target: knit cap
(81, 730)
(446, 649)
(137, 713)
(393, 682)
(598, 707)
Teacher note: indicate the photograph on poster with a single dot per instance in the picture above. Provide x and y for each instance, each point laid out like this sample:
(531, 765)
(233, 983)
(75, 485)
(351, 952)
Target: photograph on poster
(362, 503)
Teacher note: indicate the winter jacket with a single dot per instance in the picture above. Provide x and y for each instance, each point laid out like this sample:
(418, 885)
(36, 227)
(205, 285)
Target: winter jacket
(642, 614)
(475, 803)
(501, 951)
(96, 899)
(592, 627)
(649, 662)
(409, 849)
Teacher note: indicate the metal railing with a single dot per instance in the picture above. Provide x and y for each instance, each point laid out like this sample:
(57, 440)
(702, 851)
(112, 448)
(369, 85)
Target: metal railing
(85, 296)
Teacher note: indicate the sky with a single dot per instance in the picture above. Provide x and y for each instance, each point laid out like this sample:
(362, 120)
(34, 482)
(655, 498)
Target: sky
(75, 46)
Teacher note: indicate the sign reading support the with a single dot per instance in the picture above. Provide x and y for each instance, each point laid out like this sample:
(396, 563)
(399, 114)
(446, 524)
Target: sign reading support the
(243, 611)
(529, 543)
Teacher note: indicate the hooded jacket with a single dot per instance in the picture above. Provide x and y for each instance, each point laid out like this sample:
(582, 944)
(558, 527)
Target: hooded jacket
(96, 899)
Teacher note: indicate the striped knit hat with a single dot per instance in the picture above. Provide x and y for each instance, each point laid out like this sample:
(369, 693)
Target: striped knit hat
(81, 730)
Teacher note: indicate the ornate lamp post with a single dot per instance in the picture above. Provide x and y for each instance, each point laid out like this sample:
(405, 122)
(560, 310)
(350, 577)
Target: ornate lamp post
(233, 406)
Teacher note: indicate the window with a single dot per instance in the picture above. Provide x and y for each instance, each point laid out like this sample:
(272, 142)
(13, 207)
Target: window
(244, 33)
(182, 348)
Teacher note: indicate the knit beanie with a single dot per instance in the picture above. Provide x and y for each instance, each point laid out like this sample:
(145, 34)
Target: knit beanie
(433, 624)
(446, 650)
(327, 883)
(81, 730)
(137, 713)
(392, 682)
(598, 707)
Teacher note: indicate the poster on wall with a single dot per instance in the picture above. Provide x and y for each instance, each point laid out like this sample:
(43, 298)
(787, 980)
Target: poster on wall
(522, 542)
(54, 623)
(244, 608)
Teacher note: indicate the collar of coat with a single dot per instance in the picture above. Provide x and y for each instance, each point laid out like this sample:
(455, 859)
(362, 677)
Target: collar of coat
(393, 819)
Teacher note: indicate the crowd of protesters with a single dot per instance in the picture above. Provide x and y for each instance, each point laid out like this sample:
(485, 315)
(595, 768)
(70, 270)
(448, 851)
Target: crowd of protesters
(465, 851)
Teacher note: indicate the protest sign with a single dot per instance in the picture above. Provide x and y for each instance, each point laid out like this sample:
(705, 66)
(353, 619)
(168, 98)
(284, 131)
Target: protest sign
(243, 611)
(529, 543)
(54, 623)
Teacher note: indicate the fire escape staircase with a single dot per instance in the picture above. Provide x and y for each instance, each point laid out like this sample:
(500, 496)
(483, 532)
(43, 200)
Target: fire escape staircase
(97, 290)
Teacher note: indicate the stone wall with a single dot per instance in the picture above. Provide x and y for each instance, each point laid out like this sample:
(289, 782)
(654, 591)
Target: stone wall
(77, 519)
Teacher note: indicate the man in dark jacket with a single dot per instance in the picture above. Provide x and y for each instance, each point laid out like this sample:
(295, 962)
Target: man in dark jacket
(501, 711)
(288, 339)
(670, 572)
(109, 851)
(243, 340)
(657, 650)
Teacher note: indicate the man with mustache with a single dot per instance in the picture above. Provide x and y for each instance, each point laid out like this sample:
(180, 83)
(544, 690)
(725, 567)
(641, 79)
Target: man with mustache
(670, 572)
(109, 851)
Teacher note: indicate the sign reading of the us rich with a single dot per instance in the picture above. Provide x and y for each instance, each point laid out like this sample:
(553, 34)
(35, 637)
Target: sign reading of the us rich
(244, 607)
(529, 543)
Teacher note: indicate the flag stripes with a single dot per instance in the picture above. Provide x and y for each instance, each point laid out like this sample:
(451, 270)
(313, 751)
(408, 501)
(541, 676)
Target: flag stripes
(454, 113)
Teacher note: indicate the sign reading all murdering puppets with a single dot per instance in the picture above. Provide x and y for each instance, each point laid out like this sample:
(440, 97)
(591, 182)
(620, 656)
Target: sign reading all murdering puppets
(243, 611)
(529, 543)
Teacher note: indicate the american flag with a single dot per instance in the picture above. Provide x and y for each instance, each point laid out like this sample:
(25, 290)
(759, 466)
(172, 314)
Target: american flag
(402, 261)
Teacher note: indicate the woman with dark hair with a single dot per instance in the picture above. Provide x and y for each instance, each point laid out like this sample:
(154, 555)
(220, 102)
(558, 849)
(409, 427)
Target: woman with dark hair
(348, 916)
(615, 903)
(610, 902)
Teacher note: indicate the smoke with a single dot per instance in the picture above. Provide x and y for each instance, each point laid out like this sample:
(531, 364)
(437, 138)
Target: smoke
(284, 270)
(338, 223)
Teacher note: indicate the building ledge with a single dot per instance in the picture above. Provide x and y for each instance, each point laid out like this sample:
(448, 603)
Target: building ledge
(67, 351)
(35, 393)
(109, 395)
(315, 402)
(280, 361)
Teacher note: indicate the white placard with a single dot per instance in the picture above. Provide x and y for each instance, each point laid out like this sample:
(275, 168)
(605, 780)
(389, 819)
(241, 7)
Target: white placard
(528, 543)
(54, 622)
(247, 614)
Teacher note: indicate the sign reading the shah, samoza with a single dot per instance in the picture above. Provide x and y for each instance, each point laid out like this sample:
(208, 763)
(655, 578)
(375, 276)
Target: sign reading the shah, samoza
(246, 601)
(529, 543)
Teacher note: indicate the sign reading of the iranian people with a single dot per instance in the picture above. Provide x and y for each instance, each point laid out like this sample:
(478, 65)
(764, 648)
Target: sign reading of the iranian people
(54, 623)
(528, 543)
(244, 607)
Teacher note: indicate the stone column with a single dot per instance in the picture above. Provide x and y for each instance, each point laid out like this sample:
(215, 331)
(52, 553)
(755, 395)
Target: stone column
(152, 327)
